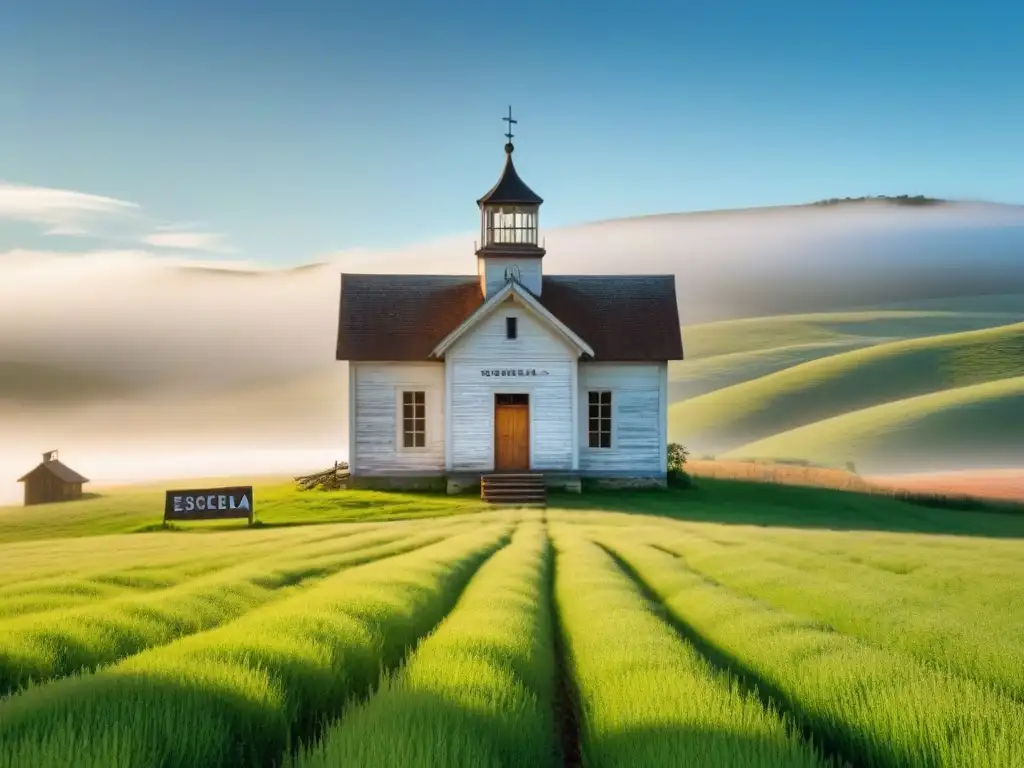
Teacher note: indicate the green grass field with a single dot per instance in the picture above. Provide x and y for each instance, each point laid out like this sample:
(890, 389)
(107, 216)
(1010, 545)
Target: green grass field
(732, 624)
(747, 385)
(136, 508)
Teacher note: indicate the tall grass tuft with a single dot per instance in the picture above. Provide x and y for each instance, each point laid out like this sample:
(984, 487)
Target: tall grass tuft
(645, 696)
(961, 612)
(239, 695)
(478, 692)
(875, 707)
(43, 646)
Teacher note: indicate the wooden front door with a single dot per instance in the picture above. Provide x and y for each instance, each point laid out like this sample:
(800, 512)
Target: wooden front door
(511, 437)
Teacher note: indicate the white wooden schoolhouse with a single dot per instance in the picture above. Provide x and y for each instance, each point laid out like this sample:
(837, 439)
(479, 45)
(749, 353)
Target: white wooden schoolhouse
(511, 371)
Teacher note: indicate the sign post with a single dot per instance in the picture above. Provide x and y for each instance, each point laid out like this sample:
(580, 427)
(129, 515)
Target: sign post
(210, 504)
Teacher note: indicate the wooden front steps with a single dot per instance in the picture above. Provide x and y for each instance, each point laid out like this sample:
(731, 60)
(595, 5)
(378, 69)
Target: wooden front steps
(519, 490)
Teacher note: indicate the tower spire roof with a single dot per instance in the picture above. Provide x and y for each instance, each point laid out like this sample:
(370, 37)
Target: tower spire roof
(510, 189)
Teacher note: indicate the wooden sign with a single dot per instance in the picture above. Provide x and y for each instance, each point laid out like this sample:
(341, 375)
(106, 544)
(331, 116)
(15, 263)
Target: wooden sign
(210, 504)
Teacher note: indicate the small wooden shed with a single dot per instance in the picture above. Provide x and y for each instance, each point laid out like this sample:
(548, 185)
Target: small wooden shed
(52, 481)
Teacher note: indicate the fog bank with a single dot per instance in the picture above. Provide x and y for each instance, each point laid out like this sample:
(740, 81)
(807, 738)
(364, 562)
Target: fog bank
(120, 355)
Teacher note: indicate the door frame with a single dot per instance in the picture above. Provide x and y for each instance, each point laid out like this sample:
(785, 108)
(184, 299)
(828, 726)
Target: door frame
(523, 399)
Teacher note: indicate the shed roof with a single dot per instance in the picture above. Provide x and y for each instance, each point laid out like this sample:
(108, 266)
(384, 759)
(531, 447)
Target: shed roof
(624, 318)
(59, 469)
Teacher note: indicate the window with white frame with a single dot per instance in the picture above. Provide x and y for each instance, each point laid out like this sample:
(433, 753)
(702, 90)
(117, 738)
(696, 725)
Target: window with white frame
(600, 405)
(414, 419)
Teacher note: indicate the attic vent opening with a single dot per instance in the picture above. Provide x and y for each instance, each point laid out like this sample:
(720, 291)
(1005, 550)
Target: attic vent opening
(511, 328)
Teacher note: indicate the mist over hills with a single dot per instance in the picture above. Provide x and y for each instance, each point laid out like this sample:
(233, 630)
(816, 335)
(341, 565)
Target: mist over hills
(107, 351)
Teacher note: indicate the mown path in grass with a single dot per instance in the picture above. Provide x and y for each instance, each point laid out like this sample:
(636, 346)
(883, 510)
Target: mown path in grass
(873, 706)
(909, 600)
(40, 647)
(240, 694)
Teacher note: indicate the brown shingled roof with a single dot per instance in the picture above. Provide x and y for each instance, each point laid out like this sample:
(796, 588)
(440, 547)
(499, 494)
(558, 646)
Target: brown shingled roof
(401, 317)
(624, 318)
(60, 470)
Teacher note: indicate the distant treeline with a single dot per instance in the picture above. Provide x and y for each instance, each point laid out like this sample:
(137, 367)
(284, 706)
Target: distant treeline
(896, 199)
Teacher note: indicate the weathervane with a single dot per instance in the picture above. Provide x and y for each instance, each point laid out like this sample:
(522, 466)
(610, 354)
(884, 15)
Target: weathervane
(510, 122)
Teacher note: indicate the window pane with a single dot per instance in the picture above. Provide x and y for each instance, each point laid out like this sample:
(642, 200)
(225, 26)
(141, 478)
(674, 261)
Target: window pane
(594, 440)
(593, 397)
(407, 440)
(606, 398)
(420, 440)
(420, 411)
(606, 425)
(606, 440)
(594, 424)
(419, 424)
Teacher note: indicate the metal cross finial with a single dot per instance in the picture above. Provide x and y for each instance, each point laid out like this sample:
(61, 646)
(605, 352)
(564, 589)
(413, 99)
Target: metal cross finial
(510, 122)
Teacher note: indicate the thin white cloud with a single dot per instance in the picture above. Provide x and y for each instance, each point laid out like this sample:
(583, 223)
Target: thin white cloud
(210, 242)
(60, 211)
(22, 262)
(67, 213)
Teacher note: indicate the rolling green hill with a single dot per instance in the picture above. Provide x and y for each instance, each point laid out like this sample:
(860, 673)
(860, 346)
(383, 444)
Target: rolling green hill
(976, 425)
(756, 334)
(850, 381)
(724, 353)
(816, 386)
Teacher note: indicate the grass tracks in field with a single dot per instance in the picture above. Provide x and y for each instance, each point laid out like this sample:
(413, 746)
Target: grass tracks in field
(239, 695)
(874, 707)
(478, 692)
(645, 696)
(40, 647)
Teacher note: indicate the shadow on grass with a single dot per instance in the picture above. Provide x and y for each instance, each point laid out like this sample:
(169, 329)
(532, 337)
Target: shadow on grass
(737, 502)
(245, 702)
(839, 744)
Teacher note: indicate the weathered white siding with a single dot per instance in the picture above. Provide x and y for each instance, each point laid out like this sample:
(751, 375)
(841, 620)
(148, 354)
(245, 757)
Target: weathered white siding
(492, 273)
(472, 396)
(376, 446)
(638, 417)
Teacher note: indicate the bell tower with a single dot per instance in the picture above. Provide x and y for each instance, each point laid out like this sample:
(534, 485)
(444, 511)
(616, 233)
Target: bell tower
(509, 247)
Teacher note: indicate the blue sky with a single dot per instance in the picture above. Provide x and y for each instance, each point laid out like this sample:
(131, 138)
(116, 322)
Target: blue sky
(285, 131)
